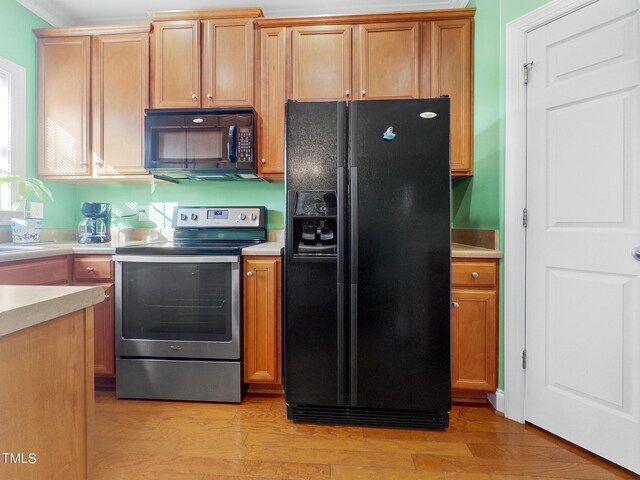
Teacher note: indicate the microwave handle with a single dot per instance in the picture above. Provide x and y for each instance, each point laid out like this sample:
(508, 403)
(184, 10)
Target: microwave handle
(232, 144)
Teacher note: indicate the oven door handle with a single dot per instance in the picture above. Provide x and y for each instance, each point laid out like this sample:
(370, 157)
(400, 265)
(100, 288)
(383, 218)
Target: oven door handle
(177, 258)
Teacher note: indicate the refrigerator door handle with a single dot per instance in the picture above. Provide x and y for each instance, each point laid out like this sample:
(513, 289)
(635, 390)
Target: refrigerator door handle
(342, 381)
(353, 350)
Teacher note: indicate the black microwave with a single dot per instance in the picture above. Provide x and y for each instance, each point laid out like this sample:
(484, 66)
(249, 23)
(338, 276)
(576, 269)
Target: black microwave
(200, 144)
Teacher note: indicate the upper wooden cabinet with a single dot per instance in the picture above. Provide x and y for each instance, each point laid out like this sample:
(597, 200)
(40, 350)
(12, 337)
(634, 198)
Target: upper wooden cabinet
(176, 61)
(93, 87)
(365, 57)
(63, 105)
(321, 63)
(452, 74)
(203, 58)
(120, 93)
(271, 93)
(389, 58)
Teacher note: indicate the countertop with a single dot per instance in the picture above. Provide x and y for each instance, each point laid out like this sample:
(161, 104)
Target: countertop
(22, 306)
(460, 250)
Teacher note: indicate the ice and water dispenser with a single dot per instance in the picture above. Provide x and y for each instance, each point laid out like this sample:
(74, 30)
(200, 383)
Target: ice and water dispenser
(315, 224)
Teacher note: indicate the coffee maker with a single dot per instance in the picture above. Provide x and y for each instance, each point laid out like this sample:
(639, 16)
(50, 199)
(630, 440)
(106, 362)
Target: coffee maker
(95, 226)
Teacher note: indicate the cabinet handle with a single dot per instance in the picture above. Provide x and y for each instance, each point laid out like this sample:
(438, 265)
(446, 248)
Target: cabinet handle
(249, 274)
(474, 274)
(89, 269)
(209, 96)
(347, 93)
(263, 161)
(107, 297)
(456, 305)
(194, 96)
(363, 92)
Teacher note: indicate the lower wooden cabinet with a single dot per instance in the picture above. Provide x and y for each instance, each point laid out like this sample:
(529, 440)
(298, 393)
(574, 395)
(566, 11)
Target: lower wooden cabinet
(38, 271)
(99, 270)
(474, 326)
(262, 320)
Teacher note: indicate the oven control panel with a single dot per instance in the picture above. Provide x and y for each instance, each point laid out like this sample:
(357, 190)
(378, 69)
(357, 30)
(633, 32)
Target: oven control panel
(219, 217)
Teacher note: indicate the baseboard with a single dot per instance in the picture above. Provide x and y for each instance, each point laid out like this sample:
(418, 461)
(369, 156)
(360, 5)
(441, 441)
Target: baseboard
(497, 400)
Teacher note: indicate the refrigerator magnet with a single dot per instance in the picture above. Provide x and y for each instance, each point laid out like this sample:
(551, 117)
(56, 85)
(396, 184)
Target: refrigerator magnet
(389, 135)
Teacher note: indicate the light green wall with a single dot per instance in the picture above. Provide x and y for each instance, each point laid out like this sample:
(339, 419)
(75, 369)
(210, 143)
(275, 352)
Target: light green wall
(18, 44)
(126, 199)
(478, 202)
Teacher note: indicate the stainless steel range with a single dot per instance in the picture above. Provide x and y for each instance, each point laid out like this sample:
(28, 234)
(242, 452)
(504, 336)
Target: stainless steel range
(178, 307)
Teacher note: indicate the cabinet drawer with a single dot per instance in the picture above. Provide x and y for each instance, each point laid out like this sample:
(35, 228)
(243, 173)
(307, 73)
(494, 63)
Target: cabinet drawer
(478, 274)
(93, 268)
(39, 271)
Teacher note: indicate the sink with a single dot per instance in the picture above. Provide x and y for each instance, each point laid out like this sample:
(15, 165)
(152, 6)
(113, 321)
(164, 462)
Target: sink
(14, 248)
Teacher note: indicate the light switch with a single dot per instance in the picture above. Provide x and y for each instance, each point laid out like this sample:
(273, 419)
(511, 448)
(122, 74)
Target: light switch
(37, 210)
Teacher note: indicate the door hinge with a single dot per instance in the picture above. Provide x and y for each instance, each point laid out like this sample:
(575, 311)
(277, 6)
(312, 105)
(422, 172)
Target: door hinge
(524, 359)
(524, 217)
(525, 69)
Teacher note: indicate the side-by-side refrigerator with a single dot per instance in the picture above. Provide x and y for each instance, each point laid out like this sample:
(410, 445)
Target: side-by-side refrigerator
(367, 268)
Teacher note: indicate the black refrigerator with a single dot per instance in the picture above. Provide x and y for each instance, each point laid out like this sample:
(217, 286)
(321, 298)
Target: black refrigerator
(367, 266)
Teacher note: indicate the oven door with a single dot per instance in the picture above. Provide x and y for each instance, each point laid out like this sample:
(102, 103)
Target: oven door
(178, 307)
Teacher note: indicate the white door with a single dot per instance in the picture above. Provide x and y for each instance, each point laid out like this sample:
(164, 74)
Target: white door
(583, 205)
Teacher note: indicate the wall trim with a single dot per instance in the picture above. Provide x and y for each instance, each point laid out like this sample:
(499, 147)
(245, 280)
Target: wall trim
(47, 12)
(515, 197)
(497, 400)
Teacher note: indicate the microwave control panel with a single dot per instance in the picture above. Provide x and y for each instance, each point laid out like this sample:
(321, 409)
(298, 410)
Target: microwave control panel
(245, 143)
(218, 217)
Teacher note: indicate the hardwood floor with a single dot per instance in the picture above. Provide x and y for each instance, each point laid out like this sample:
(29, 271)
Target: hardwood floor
(155, 440)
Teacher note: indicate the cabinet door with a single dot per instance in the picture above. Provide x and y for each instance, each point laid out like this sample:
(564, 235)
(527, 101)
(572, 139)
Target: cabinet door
(103, 333)
(452, 74)
(262, 343)
(321, 63)
(474, 361)
(389, 61)
(227, 62)
(120, 77)
(63, 106)
(272, 78)
(176, 53)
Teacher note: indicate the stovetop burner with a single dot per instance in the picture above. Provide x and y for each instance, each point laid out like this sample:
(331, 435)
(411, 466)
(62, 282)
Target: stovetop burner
(208, 231)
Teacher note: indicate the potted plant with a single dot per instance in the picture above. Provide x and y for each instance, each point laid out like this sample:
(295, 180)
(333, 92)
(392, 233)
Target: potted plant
(26, 230)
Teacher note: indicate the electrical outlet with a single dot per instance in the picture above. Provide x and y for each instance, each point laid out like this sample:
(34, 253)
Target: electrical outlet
(143, 213)
(37, 210)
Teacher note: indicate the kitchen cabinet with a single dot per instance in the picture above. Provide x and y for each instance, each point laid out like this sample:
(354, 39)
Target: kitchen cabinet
(63, 106)
(92, 92)
(321, 63)
(474, 326)
(38, 271)
(262, 320)
(452, 75)
(99, 270)
(271, 88)
(120, 93)
(365, 57)
(390, 59)
(203, 62)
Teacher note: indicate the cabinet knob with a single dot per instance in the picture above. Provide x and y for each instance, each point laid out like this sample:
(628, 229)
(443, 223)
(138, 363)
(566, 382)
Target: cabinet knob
(363, 92)
(209, 96)
(263, 161)
(89, 269)
(194, 96)
(347, 93)
(474, 274)
(107, 297)
(456, 305)
(249, 274)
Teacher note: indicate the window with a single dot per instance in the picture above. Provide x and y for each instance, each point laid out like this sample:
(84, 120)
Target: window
(12, 129)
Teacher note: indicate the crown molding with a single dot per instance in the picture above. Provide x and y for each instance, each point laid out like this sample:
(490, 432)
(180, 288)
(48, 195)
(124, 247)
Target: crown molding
(53, 17)
(51, 11)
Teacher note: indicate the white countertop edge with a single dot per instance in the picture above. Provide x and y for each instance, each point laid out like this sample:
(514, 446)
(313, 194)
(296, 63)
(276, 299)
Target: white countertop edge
(267, 248)
(23, 306)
